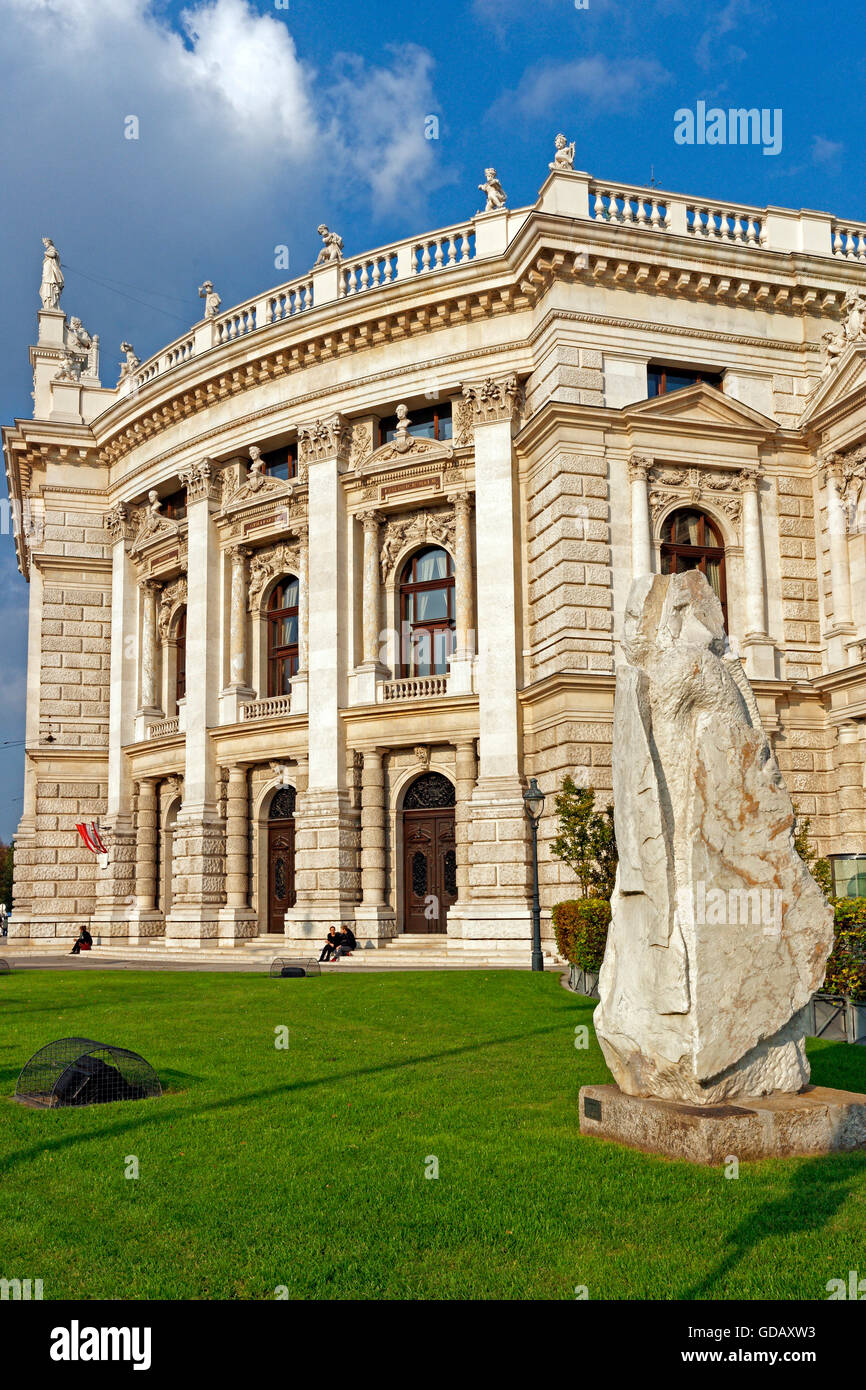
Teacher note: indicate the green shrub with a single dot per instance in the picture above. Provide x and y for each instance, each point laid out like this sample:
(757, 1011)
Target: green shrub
(846, 967)
(581, 927)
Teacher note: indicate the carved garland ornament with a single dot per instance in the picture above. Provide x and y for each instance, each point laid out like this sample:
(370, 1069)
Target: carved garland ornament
(324, 439)
(172, 595)
(493, 400)
(696, 485)
(269, 564)
(435, 527)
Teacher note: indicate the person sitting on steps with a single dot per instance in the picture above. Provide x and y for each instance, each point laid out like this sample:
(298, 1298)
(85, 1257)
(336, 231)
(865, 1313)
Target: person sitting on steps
(330, 948)
(346, 942)
(84, 942)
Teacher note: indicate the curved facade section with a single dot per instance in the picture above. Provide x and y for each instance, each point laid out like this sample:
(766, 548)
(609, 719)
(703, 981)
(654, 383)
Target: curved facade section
(379, 525)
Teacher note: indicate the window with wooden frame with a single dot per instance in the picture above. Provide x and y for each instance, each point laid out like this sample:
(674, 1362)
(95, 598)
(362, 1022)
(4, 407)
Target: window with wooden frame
(662, 379)
(691, 541)
(282, 616)
(174, 505)
(282, 462)
(427, 613)
(432, 422)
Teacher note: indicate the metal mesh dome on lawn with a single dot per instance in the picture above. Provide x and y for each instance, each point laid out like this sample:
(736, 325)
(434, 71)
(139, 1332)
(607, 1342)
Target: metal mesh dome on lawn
(79, 1071)
(285, 968)
(5, 967)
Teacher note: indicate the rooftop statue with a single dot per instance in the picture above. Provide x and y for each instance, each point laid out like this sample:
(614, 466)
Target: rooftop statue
(131, 362)
(564, 157)
(211, 299)
(333, 247)
(52, 276)
(719, 934)
(494, 191)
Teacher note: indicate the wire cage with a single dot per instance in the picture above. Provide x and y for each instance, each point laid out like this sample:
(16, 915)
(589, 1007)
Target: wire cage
(5, 967)
(286, 968)
(79, 1071)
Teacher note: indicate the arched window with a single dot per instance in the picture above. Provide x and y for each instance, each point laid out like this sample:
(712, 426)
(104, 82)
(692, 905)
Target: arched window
(282, 636)
(427, 612)
(180, 668)
(691, 541)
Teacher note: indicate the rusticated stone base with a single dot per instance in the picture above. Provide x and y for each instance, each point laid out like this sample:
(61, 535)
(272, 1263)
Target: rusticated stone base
(817, 1121)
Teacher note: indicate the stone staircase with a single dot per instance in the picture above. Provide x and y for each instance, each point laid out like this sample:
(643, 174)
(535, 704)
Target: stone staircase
(433, 951)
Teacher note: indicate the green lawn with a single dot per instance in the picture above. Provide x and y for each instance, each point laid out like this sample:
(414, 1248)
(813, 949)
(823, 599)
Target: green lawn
(305, 1168)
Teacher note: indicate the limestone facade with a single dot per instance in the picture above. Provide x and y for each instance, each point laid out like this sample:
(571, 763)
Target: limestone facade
(154, 539)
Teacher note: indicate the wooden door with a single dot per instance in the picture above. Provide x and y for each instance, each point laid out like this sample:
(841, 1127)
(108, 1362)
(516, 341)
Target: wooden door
(429, 869)
(281, 872)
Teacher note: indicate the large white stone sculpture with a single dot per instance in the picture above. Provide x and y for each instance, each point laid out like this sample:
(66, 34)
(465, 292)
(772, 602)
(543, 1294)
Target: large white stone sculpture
(719, 934)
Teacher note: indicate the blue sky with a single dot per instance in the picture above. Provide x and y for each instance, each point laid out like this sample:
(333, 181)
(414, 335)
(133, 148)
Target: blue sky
(257, 121)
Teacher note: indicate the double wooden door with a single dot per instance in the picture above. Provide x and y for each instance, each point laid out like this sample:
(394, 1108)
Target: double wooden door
(281, 872)
(429, 869)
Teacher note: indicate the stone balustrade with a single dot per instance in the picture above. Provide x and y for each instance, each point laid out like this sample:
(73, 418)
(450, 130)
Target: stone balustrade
(165, 728)
(267, 709)
(413, 688)
(613, 204)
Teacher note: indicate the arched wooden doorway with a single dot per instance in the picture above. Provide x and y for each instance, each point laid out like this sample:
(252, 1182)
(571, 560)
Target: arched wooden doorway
(429, 853)
(281, 857)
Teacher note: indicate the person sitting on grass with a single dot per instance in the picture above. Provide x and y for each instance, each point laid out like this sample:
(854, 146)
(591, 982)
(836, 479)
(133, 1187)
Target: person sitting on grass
(330, 948)
(346, 942)
(84, 942)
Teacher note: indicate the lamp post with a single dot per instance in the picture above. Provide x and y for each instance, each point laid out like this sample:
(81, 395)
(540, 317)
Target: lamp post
(533, 801)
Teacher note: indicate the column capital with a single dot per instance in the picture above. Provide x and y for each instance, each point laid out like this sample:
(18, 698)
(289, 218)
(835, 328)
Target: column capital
(201, 481)
(748, 479)
(150, 586)
(239, 551)
(639, 465)
(117, 523)
(462, 502)
(493, 400)
(324, 439)
(371, 520)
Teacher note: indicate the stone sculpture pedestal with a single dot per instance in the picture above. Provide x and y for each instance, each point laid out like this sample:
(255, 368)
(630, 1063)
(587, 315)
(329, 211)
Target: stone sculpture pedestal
(815, 1121)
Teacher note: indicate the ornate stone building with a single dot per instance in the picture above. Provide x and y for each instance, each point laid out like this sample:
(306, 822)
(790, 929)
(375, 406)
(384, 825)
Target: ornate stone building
(317, 587)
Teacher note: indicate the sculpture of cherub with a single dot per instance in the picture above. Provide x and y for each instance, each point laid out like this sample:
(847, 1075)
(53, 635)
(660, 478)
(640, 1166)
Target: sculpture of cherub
(211, 299)
(493, 190)
(333, 247)
(832, 347)
(564, 157)
(854, 306)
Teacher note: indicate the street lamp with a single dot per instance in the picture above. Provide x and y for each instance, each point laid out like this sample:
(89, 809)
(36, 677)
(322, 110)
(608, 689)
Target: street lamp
(533, 801)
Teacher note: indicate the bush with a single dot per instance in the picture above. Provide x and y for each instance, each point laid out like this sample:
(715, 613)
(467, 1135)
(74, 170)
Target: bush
(846, 968)
(581, 927)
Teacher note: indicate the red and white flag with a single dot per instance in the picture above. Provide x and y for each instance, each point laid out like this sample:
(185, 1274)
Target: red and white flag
(89, 833)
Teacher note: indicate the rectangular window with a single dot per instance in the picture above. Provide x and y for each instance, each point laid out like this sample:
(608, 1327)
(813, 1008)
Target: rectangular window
(174, 506)
(282, 462)
(432, 422)
(661, 379)
(849, 875)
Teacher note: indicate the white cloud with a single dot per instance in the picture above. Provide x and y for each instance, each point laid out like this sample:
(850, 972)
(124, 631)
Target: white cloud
(825, 151)
(608, 84)
(709, 53)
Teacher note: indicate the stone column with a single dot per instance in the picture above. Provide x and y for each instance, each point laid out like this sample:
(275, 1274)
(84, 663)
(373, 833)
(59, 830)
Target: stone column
(842, 628)
(371, 670)
(149, 708)
(462, 662)
(374, 917)
(115, 885)
(237, 919)
(300, 690)
(498, 842)
(145, 920)
(199, 836)
(238, 691)
(464, 787)
(850, 791)
(327, 877)
(757, 648)
(641, 536)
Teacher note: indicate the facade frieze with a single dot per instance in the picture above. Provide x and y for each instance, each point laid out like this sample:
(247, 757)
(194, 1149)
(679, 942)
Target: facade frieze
(430, 526)
(696, 486)
(269, 563)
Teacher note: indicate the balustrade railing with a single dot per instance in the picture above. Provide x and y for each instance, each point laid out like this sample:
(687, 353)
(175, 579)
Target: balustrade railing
(164, 728)
(613, 204)
(267, 709)
(414, 688)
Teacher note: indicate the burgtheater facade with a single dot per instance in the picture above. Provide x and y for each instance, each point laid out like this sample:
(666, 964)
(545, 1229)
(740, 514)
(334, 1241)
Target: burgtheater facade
(318, 587)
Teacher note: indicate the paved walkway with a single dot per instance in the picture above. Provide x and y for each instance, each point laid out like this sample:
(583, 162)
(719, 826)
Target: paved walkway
(19, 957)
